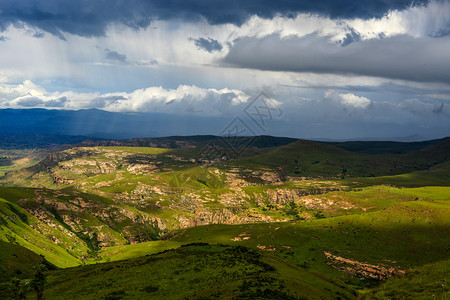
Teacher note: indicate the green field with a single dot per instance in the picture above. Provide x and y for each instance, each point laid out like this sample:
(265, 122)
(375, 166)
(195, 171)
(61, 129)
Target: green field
(195, 272)
(137, 150)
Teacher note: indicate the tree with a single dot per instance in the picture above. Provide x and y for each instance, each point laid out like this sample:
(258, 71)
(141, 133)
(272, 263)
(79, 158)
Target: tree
(18, 289)
(38, 281)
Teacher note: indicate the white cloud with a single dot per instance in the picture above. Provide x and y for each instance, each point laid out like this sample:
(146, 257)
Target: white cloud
(349, 99)
(182, 100)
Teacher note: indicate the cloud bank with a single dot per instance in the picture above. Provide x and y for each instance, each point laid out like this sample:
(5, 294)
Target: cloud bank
(335, 67)
(91, 18)
(399, 57)
(334, 114)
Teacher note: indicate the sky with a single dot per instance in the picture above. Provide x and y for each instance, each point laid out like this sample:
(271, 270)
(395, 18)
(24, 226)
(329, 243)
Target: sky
(322, 69)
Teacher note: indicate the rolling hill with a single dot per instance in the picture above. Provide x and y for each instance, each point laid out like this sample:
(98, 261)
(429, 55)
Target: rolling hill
(302, 216)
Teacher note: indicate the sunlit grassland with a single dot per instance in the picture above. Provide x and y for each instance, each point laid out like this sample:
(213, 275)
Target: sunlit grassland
(136, 150)
(18, 159)
(18, 226)
(116, 253)
(430, 281)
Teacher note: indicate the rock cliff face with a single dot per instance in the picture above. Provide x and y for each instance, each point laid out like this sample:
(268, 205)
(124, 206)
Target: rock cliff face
(282, 196)
(224, 216)
(103, 224)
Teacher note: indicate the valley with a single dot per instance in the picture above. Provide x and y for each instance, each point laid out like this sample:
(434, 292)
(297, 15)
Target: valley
(284, 219)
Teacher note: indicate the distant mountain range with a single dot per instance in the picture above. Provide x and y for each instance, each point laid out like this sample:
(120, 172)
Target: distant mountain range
(99, 124)
(103, 124)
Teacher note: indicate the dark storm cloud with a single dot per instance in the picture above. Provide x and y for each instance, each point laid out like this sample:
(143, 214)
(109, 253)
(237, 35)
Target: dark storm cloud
(208, 44)
(398, 57)
(90, 18)
(81, 17)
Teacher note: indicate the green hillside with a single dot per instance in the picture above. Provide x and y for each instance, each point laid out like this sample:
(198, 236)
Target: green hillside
(430, 281)
(198, 271)
(407, 234)
(20, 227)
(310, 159)
(17, 261)
(299, 220)
(380, 147)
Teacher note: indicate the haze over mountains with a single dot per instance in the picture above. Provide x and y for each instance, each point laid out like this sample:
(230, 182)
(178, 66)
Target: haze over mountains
(98, 123)
(94, 123)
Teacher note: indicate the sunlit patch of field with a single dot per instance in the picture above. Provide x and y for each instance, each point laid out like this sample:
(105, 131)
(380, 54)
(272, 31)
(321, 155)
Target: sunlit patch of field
(18, 159)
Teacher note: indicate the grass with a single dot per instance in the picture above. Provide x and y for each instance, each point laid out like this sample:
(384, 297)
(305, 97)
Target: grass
(193, 178)
(136, 150)
(17, 159)
(67, 230)
(16, 263)
(430, 281)
(35, 236)
(437, 175)
(410, 233)
(135, 250)
(305, 158)
(193, 272)
(109, 216)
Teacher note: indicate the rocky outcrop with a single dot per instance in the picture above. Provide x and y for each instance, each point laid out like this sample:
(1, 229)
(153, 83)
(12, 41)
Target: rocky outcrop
(206, 217)
(223, 216)
(59, 180)
(362, 270)
(281, 196)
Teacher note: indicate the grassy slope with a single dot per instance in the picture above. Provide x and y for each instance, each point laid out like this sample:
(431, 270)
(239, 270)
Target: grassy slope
(407, 233)
(430, 281)
(78, 221)
(17, 159)
(22, 228)
(379, 147)
(438, 174)
(135, 250)
(194, 272)
(412, 233)
(137, 150)
(416, 219)
(305, 158)
(16, 261)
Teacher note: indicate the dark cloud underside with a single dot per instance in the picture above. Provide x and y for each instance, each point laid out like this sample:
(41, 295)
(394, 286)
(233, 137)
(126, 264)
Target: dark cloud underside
(90, 18)
(399, 57)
